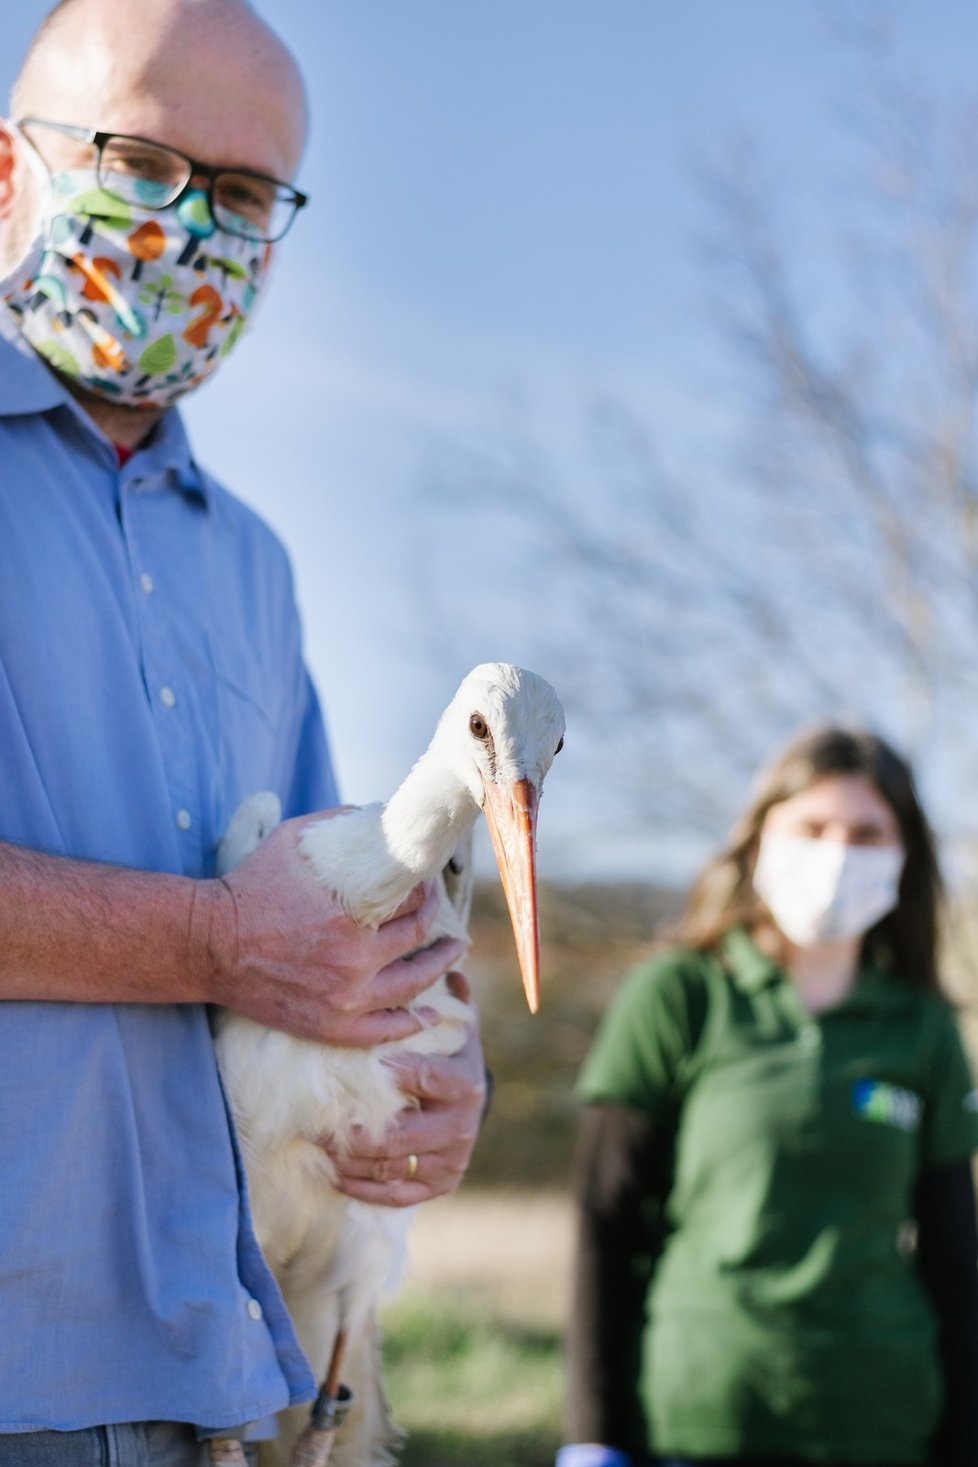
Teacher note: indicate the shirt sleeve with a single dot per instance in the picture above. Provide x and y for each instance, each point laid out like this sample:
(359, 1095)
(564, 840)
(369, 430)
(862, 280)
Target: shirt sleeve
(950, 1130)
(621, 1175)
(947, 1257)
(642, 1054)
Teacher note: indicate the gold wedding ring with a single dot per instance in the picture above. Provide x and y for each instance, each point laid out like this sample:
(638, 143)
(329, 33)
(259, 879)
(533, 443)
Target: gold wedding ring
(412, 1170)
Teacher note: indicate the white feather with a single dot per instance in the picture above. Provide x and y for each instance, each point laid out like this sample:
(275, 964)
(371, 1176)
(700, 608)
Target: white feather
(334, 1257)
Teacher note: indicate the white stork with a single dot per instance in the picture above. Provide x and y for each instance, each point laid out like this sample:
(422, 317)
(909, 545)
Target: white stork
(333, 1256)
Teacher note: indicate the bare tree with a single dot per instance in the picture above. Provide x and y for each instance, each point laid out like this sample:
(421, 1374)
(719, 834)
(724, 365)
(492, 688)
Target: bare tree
(834, 570)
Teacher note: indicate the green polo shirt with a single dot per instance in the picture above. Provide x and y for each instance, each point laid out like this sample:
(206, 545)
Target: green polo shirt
(785, 1313)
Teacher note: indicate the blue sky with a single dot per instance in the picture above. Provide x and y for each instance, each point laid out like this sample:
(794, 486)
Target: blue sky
(501, 204)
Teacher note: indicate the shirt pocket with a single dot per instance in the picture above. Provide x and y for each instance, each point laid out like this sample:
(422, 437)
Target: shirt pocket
(248, 731)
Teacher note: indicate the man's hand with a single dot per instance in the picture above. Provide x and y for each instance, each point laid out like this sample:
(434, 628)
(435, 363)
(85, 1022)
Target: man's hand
(440, 1134)
(285, 954)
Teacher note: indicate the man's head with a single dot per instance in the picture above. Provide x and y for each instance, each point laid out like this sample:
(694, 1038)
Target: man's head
(207, 77)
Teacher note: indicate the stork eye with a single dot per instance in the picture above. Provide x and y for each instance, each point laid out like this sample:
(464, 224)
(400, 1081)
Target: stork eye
(478, 727)
(559, 746)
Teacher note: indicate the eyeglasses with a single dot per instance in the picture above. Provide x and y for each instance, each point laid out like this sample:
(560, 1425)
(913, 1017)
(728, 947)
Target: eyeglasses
(154, 176)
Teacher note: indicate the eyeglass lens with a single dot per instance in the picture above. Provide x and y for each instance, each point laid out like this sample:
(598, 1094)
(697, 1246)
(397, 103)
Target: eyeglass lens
(151, 175)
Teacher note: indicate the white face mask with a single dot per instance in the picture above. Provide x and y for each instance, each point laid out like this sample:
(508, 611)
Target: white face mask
(824, 890)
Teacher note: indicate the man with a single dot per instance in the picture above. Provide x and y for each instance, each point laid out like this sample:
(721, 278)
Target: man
(150, 677)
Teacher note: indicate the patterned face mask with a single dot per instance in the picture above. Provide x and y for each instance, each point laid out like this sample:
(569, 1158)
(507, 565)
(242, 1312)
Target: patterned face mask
(826, 891)
(138, 306)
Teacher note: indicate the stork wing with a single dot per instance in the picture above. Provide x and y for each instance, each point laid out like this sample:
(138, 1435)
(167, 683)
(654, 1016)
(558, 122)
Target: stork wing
(254, 818)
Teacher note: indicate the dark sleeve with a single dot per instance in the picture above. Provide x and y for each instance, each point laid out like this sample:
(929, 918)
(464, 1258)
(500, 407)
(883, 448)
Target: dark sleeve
(947, 1257)
(621, 1176)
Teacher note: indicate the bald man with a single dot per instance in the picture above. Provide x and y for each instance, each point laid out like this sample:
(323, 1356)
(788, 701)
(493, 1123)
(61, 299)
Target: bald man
(151, 676)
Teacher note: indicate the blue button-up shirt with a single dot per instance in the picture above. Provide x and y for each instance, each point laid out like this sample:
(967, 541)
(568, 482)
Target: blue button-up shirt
(151, 676)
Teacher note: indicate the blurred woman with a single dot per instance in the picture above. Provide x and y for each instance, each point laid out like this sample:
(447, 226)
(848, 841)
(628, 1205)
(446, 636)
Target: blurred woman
(777, 1239)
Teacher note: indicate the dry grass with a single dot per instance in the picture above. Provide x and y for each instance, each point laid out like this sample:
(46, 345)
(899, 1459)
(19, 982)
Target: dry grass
(474, 1339)
(514, 1246)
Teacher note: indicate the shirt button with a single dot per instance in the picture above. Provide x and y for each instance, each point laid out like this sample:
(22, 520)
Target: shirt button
(183, 819)
(167, 697)
(254, 1309)
(146, 581)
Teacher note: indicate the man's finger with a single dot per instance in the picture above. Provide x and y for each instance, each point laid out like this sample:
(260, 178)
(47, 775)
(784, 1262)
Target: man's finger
(395, 987)
(415, 1132)
(407, 931)
(441, 1077)
(387, 1194)
(395, 1183)
(405, 979)
(381, 1169)
(380, 1026)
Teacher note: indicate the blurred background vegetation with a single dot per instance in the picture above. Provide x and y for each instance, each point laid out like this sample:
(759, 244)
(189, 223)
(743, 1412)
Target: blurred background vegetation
(589, 936)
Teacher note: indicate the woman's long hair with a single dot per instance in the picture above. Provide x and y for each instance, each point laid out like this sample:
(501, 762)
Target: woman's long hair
(904, 942)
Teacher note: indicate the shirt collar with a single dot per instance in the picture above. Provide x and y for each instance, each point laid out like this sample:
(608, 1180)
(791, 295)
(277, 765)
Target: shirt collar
(28, 386)
(751, 970)
(168, 453)
(877, 990)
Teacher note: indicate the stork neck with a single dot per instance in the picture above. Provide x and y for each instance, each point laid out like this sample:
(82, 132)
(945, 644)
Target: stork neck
(428, 815)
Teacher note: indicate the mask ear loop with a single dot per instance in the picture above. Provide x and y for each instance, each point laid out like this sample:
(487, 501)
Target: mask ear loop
(13, 147)
(28, 157)
(26, 150)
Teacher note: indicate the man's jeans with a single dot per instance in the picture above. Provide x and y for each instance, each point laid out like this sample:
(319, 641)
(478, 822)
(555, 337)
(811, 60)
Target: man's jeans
(144, 1444)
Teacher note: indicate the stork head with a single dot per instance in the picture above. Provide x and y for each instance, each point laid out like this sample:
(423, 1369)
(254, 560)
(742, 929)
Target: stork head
(501, 732)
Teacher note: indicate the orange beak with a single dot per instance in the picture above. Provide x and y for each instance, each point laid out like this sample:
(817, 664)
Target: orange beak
(511, 814)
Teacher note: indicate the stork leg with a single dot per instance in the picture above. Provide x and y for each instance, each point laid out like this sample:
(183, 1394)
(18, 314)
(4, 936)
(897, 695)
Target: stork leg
(329, 1410)
(337, 1289)
(367, 1433)
(226, 1451)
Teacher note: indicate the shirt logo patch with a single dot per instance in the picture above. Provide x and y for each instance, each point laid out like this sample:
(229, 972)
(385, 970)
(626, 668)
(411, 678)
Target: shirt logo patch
(889, 1105)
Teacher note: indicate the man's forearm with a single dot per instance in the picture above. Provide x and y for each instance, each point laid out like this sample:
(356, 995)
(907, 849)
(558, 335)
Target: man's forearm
(267, 940)
(87, 933)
